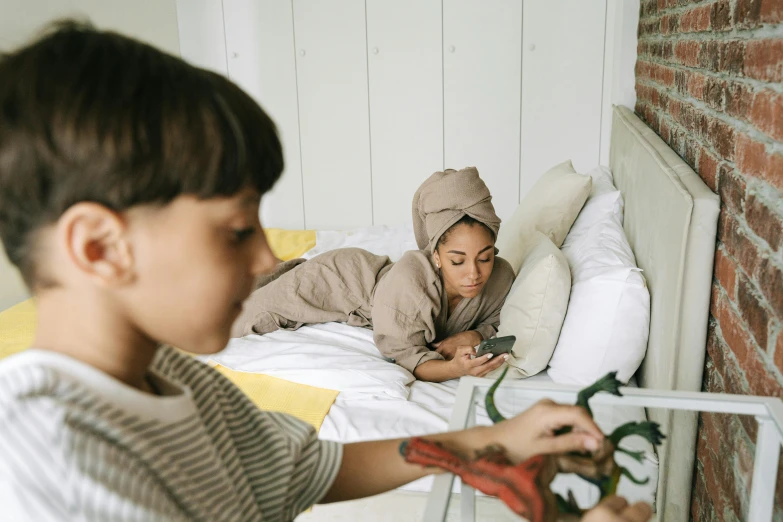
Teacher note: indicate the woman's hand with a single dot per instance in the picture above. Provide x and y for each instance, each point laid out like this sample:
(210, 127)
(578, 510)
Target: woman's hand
(616, 509)
(532, 432)
(464, 364)
(448, 346)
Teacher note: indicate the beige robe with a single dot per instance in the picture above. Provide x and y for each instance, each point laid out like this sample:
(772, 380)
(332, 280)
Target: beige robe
(403, 302)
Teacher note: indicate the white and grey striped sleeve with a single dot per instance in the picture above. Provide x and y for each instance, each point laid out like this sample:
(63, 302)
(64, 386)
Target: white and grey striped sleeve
(298, 468)
(33, 473)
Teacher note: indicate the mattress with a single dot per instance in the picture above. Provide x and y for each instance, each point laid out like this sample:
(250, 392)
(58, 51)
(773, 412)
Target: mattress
(380, 400)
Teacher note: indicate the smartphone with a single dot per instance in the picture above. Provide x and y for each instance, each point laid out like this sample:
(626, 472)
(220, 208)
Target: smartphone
(496, 346)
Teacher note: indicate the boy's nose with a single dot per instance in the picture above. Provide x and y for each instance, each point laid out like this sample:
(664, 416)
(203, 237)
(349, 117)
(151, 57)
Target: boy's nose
(264, 260)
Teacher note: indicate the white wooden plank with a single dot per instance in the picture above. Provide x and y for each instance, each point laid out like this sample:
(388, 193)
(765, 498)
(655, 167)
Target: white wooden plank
(622, 22)
(562, 67)
(481, 75)
(202, 40)
(406, 102)
(331, 62)
(260, 44)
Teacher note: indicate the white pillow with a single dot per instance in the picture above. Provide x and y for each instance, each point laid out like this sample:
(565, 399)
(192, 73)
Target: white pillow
(536, 306)
(550, 207)
(608, 319)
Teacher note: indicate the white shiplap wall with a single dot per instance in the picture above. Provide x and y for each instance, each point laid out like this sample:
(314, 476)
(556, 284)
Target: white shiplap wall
(372, 96)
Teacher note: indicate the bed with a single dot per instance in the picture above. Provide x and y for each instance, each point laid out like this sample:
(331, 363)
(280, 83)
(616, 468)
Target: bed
(670, 221)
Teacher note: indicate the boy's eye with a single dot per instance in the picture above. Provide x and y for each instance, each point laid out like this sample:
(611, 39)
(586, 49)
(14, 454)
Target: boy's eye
(243, 233)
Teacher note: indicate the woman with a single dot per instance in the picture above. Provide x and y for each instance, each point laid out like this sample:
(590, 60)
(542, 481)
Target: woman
(429, 309)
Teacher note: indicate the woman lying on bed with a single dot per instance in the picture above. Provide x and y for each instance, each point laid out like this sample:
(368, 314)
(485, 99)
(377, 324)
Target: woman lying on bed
(429, 309)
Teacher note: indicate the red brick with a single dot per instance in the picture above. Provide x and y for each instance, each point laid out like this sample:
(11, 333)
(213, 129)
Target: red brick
(778, 513)
(779, 352)
(732, 57)
(722, 138)
(712, 93)
(764, 60)
(770, 279)
(696, 20)
(726, 273)
(669, 24)
(771, 11)
(753, 311)
(720, 17)
(687, 52)
(764, 221)
(751, 13)
(737, 99)
(746, 13)
(647, 27)
(766, 113)
(741, 248)
(732, 188)
(754, 160)
(665, 130)
(708, 169)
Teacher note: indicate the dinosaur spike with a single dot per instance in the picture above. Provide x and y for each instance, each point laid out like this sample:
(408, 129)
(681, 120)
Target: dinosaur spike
(649, 430)
(489, 400)
(633, 479)
(638, 456)
(608, 383)
(568, 506)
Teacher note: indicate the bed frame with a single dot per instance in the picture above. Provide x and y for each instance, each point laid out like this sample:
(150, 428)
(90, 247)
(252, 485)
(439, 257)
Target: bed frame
(670, 219)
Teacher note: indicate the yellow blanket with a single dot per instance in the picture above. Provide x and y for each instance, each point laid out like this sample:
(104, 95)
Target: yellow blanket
(17, 329)
(307, 403)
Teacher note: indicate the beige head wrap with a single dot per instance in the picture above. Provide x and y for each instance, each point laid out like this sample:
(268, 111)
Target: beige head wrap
(444, 198)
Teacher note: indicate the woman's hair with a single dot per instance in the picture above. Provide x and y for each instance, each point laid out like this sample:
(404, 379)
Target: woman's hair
(87, 115)
(466, 220)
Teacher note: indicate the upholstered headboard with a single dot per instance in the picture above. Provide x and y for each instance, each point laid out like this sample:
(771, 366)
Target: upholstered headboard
(671, 221)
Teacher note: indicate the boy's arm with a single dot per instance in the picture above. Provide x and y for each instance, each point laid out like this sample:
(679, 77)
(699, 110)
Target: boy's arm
(369, 468)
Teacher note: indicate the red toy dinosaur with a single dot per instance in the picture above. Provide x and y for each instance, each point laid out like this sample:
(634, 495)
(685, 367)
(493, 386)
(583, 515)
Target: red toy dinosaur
(524, 487)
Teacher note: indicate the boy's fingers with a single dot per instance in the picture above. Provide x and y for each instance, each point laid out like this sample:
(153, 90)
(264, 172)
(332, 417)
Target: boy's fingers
(570, 442)
(576, 416)
(614, 503)
(639, 512)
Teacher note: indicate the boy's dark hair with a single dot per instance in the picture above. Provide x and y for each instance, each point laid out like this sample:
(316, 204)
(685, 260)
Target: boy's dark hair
(87, 115)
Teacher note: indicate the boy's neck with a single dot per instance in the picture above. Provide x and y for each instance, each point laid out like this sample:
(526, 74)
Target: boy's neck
(93, 332)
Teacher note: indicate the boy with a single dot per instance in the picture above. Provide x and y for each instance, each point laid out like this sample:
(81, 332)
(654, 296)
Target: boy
(129, 192)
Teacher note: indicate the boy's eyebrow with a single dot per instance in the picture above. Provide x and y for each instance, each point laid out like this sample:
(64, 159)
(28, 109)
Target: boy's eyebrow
(463, 253)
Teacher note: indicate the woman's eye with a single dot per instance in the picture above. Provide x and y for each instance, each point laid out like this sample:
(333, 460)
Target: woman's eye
(242, 234)
(457, 264)
(484, 260)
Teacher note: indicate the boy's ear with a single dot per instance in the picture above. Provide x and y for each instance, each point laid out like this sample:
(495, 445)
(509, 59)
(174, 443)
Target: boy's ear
(95, 240)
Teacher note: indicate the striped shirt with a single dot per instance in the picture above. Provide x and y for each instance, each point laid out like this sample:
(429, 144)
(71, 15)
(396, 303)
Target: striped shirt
(76, 444)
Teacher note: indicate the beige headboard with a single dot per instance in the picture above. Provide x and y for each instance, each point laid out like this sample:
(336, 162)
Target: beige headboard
(671, 219)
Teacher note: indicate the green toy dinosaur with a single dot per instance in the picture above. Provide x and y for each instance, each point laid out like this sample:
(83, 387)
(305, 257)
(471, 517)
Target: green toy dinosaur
(599, 468)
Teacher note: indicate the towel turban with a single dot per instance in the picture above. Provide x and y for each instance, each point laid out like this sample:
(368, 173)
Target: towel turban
(445, 198)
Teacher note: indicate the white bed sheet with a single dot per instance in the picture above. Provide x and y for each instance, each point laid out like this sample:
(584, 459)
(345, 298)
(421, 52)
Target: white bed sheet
(381, 400)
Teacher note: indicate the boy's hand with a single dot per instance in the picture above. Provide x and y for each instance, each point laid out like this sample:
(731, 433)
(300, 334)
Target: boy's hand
(616, 509)
(532, 432)
(464, 364)
(448, 346)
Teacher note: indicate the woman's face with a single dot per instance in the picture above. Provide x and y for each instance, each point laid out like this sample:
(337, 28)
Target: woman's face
(466, 259)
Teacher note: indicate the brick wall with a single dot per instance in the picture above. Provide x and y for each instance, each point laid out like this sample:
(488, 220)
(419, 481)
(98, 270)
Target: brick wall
(709, 81)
